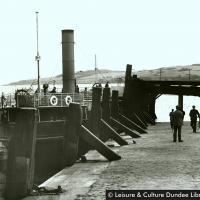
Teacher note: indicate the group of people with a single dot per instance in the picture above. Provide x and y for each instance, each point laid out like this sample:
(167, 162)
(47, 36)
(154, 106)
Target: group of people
(176, 121)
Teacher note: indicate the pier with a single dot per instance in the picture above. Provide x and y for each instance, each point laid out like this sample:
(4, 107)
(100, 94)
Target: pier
(153, 163)
(74, 145)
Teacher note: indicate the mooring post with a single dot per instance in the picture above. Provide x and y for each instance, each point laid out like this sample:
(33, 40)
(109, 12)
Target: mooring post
(106, 130)
(152, 107)
(115, 116)
(93, 123)
(21, 153)
(72, 134)
(105, 113)
(128, 72)
(106, 104)
(96, 112)
(115, 104)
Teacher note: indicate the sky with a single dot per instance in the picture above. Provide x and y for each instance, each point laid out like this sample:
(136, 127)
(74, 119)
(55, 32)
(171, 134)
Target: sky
(148, 34)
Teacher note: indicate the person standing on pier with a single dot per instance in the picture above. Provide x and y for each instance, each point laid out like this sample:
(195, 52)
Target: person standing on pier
(194, 113)
(170, 116)
(177, 120)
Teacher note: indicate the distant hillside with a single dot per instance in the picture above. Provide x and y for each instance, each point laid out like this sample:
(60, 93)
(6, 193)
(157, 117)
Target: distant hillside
(187, 72)
(82, 77)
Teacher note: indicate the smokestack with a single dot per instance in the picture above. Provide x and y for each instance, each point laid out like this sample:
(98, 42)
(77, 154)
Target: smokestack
(68, 61)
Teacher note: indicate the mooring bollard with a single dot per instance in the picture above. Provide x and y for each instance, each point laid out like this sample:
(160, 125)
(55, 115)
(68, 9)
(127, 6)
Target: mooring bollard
(106, 104)
(72, 134)
(96, 112)
(128, 72)
(106, 130)
(104, 136)
(115, 104)
(21, 150)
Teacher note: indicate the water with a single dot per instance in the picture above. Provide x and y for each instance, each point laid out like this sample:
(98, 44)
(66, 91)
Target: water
(164, 103)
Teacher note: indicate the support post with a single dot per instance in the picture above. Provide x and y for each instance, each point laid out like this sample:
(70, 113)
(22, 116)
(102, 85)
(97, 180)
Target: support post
(115, 104)
(72, 134)
(128, 72)
(21, 150)
(152, 107)
(96, 112)
(105, 113)
(180, 101)
(106, 104)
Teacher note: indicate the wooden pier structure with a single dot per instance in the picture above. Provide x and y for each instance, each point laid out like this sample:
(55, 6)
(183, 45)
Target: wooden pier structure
(44, 133)
(140, 96)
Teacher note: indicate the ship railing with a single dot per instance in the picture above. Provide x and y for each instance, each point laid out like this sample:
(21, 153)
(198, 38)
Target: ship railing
(7, 100)
(50, 99)
(54, 99)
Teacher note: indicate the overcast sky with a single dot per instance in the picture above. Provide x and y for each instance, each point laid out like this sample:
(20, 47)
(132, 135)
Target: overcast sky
(145, 33)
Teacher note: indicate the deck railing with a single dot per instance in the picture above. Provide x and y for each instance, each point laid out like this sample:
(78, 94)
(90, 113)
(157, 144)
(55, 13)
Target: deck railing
(42, 100)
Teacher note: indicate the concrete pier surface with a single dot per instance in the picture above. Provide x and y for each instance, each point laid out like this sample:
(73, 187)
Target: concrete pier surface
(154, 162)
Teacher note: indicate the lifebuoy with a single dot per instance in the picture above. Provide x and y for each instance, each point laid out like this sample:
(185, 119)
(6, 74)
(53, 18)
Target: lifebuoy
(54, 100)
(68, 100)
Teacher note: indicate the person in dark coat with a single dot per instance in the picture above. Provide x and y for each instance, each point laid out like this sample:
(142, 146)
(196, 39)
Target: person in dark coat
(194, 113)
(107, 85)
(76, 89)
(54, 90)
(45, 88)
(177, 120)
(170, 116)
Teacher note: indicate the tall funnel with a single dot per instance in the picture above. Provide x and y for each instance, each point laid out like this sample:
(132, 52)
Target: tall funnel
(68, 61)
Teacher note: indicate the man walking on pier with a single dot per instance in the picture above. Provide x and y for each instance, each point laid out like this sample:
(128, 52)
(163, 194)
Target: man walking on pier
(177, 120)
(193, 118)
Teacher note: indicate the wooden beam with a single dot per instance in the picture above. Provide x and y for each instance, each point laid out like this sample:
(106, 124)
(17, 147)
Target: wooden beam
(125, 120)
(149, 118)
(94, 141)
(138, 121)
(113, 134)
(127, 130)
